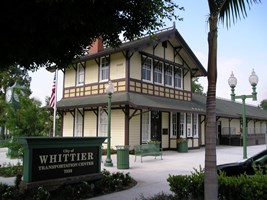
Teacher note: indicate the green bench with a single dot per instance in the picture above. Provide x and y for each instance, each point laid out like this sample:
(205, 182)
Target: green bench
(147, 150)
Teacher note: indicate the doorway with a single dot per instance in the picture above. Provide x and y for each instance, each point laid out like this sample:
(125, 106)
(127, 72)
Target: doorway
(156, 125)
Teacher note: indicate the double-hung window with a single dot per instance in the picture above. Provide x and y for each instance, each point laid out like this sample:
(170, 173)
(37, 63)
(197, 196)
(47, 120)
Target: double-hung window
(104, 68)
(168, 75)
(189, 124)
(174, 125)
(182, 125)
(145, 126)
(146, 68)
(78, 123)
(195, 123)
(178, 77)
(158, 72)
(80, 74)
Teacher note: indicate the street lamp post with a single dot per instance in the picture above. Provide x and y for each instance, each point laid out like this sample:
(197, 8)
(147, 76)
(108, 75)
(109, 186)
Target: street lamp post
(232, 81)
(109, 91)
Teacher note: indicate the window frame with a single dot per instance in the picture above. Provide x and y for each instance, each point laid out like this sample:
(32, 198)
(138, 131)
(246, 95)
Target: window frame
(80, 74)
(182, 125)
(147, 69)
(157, 73)
(104, 68)
(168, 77)
(195, 125)
(79, 121)
(146, 126)
(174, 125)
(179, 78)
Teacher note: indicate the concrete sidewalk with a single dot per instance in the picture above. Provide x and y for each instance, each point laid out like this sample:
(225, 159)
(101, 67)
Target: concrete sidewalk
(152, 174)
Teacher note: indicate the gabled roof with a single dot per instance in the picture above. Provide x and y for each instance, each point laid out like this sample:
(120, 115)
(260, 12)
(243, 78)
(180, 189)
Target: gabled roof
(230, 109)
(171, 34)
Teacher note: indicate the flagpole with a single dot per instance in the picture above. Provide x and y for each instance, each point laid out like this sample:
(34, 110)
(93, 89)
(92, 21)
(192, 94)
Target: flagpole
(55, 106)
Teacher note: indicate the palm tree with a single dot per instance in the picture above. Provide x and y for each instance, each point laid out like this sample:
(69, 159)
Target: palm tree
(224, 11)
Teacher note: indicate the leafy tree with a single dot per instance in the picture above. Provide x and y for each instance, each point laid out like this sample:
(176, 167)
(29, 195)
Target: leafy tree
(28, 119)
(263, 104)
(224, 11)
(197, 87)
(12, 74)
(38, 32)
(7, 78)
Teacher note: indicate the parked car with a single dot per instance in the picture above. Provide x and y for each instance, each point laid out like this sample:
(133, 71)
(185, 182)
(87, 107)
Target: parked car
(245, 166)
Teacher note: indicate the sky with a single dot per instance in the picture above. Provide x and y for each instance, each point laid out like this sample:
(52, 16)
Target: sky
(241, 48)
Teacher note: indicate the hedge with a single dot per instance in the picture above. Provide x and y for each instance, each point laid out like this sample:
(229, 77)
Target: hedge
(241, 187)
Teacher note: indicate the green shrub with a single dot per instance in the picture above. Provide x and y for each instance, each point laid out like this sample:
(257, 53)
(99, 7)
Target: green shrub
(241, 187)
(116, 181)
(109, 183)
(41, 194)
(188, 186)
(9, 170)
(159, 196)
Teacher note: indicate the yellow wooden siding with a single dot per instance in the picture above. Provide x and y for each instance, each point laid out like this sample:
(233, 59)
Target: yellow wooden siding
(117, 66)
(187, 82)
(69, 77)
(134, 129)
(117, 128)
(256, 128)
(165, 125)
(159, 51)
(135, 66)
(250, 127)
(173, 144)
(68, 125)
(190, 143)
(195, 141)
(90, 120)
(169, 55)
(263, 126)
(235, 126)
(149, 50)
(179, 60)
(91, 72)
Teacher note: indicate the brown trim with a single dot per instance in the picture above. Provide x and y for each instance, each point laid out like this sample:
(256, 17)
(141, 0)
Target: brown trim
(141, 124)
(93, 89)
(127, 125)
(97, 121)
(73, 115)
(158, 90)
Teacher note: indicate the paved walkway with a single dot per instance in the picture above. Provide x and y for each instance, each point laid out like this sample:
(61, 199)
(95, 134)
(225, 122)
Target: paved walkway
(152, 174)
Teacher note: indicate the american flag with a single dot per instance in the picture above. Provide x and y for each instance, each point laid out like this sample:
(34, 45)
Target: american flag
(53, 94)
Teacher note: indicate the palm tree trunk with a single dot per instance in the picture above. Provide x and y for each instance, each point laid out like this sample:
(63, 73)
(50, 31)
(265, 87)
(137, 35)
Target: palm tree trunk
(211, 179)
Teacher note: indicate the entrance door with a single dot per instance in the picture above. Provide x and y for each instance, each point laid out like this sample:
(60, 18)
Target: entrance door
(156, 125)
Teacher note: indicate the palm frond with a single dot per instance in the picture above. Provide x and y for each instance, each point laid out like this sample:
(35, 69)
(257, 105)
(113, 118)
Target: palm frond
(232, 10)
